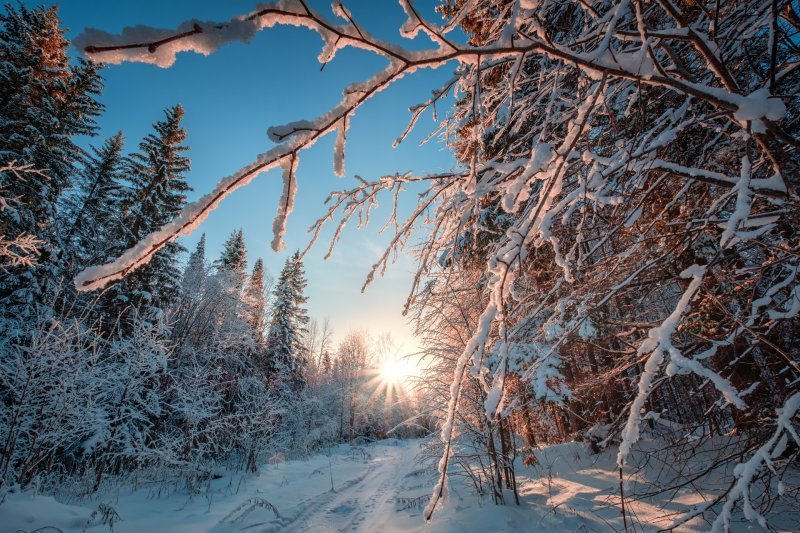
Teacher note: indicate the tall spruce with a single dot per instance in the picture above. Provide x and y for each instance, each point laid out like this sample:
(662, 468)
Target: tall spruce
(195, 271)
(44, 103)
(158, 192)
(286, 354)
(190, 315)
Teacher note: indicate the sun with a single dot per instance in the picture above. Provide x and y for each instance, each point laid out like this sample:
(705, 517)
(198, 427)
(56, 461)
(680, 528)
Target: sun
(392, 379)
(396, 371)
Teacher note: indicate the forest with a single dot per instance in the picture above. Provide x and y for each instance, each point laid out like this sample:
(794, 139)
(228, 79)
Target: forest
(606, 293)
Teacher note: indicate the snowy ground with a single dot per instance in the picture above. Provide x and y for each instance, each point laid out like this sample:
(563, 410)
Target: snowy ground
(377, 488)
(367, 481)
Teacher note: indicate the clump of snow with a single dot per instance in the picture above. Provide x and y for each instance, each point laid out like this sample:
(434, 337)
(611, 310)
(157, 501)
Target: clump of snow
(279, 134)
(286, 204)
(760, 104)
(742, 209)
(202, 37)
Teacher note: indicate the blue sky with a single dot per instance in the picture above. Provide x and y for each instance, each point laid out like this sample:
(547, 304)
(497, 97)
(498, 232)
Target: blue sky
(232, 97)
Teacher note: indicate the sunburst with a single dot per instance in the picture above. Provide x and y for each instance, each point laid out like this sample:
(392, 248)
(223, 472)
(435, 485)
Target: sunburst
(392, 378)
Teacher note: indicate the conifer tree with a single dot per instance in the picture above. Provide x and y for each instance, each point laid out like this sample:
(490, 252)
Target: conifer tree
(327, 366)
(157, 174)
(44, 103)
(95, 207)
(191, 313)
(195, 271)
(233, 261)
(286, 353)
(256, 300)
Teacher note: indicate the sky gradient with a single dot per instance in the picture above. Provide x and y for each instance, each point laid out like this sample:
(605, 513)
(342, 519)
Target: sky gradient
(233, 96)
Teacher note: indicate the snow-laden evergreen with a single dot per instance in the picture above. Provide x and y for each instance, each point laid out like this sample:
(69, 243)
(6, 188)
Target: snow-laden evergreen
(287, 358)
(95, 205)
(44, 103)
(157, 172)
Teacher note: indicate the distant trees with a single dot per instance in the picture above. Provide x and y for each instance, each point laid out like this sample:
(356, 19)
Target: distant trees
(233, 261)
(352, 361)
(255, 297)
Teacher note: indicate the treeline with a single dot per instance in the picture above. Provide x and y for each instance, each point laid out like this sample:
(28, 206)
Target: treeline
(175, 369)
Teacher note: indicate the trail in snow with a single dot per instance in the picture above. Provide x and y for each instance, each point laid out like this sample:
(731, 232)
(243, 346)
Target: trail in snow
(365, 503)
(368, 482)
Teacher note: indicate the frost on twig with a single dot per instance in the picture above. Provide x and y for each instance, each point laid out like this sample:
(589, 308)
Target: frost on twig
(23, 249)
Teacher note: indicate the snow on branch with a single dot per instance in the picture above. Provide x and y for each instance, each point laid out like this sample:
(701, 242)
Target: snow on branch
(161, 46)
(299, 136)
(659, 344)
(23, 249)
(747, 472)
(286, 204)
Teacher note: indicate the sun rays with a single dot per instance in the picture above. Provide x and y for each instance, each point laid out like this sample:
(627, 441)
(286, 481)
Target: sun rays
(391, 378)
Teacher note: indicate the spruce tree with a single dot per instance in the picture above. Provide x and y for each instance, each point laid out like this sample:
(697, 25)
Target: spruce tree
(191, 314)
(233, 261)
(286, 353)
(95, 207)
(327, 366)
(195, 271)
(44, 103)
(256, 300)
(158, 192)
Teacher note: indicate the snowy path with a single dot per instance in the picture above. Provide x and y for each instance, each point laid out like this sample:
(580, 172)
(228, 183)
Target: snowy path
(368, 483)
(363, 503)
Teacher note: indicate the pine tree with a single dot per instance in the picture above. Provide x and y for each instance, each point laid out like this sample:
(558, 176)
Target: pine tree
(191, 314)
(326, 363)
(158, 192)
(44, 103)
(286, 353)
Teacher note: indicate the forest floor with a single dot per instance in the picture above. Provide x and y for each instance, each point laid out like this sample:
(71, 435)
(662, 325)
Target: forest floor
(379, 487)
